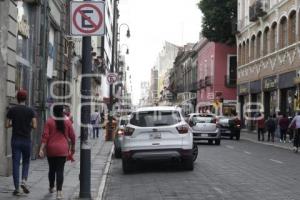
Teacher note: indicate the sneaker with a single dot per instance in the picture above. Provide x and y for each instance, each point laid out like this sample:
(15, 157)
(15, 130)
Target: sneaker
(25, 188)
(295, 149)
(280, 141)
(59, 195)
(284, 141)
(16, 193)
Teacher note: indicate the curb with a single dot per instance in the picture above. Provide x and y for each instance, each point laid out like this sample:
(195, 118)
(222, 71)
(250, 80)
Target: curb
(267, 144)
(104, 176)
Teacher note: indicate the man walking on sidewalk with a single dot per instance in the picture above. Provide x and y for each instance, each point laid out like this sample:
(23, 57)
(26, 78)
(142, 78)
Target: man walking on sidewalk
(95, 121)
(22, 119)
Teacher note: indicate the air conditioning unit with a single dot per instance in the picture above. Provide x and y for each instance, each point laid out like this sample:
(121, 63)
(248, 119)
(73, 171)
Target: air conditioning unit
(252, 13)
(261, 6)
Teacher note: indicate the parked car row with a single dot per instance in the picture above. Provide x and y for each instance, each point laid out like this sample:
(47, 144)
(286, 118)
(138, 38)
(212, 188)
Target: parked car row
(207, 126)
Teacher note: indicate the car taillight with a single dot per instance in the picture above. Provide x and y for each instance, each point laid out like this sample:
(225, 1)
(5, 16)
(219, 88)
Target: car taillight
(128, 131)
(182, 129)
(214, 120)
(120, 132)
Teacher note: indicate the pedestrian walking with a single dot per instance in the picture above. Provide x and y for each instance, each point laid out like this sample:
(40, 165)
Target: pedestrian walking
(296, 120)
(260, 127)
(283, 125)
(271, 127)
(58, 140)
(95, 122)
(22, 119)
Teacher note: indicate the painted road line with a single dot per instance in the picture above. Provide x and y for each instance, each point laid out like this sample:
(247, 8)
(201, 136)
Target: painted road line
(104, 176)
(276, 161)
(230, 147)
(247, 152)
(218, 190)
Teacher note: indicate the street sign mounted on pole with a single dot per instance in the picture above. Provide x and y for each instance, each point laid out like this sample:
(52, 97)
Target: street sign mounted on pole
(87, 18)
(112, 78)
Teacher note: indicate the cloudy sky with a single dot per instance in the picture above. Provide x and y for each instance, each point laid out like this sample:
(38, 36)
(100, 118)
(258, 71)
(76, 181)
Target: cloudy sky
(151, 23)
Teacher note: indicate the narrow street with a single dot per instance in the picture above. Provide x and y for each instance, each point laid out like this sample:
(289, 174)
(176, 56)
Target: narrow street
(234, 170)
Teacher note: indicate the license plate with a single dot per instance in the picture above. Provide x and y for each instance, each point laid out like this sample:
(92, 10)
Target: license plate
(204, 135)
(155, 135)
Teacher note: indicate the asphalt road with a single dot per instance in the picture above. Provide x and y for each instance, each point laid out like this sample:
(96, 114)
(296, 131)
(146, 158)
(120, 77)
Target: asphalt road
(236, 170)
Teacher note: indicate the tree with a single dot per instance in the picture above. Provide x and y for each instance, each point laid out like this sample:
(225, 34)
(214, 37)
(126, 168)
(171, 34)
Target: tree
(220, 20)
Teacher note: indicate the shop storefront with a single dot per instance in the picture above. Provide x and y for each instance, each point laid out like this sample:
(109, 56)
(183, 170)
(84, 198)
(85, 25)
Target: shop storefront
(243, 97)
(287, 93)
(270, 88)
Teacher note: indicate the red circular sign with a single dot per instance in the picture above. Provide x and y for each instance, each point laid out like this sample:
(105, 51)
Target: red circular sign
(96, 26)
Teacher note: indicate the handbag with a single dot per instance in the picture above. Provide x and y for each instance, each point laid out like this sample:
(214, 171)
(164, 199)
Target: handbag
(70, 156)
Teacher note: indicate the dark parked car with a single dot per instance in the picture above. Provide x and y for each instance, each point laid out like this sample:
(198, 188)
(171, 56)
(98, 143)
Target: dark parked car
(229, 127)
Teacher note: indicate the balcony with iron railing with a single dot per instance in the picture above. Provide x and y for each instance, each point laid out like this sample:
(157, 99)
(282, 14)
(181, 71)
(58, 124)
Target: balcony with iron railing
(193, 87)
(230, 81)
(201, 84)
(208, 81)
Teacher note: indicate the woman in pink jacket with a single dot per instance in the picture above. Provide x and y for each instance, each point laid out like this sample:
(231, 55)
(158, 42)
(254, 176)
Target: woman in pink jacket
(58, 133)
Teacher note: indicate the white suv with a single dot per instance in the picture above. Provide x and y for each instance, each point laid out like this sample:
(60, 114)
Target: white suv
(155, 133)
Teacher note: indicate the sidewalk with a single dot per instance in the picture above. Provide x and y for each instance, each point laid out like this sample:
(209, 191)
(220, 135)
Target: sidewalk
(252, 136)
(38, 175)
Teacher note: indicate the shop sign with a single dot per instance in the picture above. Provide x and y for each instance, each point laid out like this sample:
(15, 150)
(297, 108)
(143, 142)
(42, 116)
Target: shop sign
(243, 89)
(23, 28)
(270, 83)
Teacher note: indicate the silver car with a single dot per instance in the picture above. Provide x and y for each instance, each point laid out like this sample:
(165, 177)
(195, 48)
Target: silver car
(204, 127)
(119, 133)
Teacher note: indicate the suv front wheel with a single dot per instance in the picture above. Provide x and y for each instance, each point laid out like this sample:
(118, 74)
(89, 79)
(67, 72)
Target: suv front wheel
(217, 141)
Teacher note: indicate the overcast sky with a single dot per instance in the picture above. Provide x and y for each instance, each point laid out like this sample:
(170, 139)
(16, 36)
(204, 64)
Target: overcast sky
(151, 23)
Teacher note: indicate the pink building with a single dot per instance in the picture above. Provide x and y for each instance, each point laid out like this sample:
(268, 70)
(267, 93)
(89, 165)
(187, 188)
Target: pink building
(216, 77)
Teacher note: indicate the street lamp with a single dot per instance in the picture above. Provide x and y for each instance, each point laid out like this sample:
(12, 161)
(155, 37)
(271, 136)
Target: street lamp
(127, 49)
(127, 32)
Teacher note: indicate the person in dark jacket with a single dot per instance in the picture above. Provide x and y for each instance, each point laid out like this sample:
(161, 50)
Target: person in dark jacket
(271, 127)
(260, 127)
(22, 119)
(283, 124)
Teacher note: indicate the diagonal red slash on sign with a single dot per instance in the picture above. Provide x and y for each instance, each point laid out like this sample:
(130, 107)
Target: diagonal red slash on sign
(87, 18)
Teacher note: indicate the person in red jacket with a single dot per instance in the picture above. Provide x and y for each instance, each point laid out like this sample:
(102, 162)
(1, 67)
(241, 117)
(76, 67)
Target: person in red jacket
(58, 133)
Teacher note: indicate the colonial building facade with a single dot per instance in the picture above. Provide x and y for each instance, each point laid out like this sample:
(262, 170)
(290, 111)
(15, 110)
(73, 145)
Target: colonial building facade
(268, 55)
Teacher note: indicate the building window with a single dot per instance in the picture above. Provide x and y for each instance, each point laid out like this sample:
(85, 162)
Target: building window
(252, 48)
(247, 52)
(292, 28)
(243, 53)
(240, 55)
(273, 37)
(258, 46)
(266, 41)
(231, 69)
(283, 39)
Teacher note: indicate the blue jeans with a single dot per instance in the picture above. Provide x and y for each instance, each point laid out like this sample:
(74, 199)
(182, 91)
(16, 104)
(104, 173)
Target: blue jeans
(21, 148)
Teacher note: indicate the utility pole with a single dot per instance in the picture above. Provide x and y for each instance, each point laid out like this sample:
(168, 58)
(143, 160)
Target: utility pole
(112, 66)
(85, 147)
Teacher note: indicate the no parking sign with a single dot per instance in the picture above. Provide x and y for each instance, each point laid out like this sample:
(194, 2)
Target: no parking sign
(87, 18)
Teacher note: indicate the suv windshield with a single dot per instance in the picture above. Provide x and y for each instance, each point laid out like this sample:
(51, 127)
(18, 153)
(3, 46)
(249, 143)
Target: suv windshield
(155, 118)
